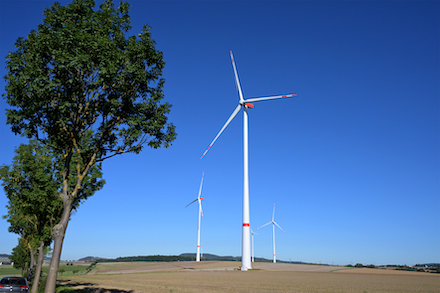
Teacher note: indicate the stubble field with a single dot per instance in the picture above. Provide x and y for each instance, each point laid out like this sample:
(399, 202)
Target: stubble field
(224, 277)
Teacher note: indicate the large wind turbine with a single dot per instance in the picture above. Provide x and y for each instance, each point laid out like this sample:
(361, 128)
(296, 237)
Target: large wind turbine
(199, 199)
(273, 231)
(245, 104)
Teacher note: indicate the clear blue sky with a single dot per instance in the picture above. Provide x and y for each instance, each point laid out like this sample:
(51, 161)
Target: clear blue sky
(352, 162)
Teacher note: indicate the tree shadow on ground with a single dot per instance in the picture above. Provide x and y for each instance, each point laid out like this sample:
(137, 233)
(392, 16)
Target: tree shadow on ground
(67, 286)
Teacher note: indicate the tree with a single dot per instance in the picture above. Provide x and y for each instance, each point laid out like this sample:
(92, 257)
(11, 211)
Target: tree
(85, 90)
(34, 206)
(20, 255)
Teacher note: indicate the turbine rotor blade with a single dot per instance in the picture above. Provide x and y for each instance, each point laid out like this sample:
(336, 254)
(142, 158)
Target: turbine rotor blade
(200, 190)
(273, 214)
(237, 81)
(192, 202)
(265, 225)
(201, 183)
(279, 226)
(223, 128)
(200, 206)
(269, 98)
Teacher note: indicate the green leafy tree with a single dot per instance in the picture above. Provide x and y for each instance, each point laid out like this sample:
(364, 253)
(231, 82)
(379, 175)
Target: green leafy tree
(33, 202)
(33, 188)
(86, 90)
(20, 255)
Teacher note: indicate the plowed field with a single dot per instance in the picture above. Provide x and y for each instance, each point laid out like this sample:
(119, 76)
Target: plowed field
(265, 277)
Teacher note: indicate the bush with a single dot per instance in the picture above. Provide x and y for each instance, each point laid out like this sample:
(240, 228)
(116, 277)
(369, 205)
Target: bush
(42, 285)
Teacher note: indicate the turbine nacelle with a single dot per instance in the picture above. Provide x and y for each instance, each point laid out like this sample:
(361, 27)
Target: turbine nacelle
(248, 105)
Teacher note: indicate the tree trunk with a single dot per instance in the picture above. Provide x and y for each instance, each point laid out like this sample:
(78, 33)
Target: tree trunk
(58, 233)
(38, 269)
(30, 270)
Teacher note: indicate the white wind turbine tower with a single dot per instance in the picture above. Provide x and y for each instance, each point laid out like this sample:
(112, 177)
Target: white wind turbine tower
(273, 231)
(245, 104)
(199, 199)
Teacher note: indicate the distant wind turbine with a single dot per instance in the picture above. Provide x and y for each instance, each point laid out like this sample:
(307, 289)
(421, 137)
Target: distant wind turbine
(273, 231)
(244, 104)
(199, 199)
(252, 235)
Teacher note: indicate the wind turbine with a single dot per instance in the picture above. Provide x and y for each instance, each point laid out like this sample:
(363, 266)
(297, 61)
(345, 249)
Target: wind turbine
(252, 235)
(199, 199)
(273, 231)
(245, 104)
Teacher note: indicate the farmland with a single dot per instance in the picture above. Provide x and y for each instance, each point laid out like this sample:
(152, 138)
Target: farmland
(218, 276)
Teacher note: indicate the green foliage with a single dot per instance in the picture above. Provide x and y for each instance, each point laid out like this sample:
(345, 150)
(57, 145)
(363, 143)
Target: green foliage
(68, 269)
(20, 256)
(78, 72)
(88, 92)
(33, 187)
(32, 190)
(42, 284)
(91, 267)
(66, 289)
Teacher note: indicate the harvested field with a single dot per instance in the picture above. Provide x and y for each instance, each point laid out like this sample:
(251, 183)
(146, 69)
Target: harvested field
(265, 277)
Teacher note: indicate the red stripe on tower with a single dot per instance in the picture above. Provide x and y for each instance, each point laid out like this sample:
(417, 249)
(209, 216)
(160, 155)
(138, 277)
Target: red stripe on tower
(246, 225)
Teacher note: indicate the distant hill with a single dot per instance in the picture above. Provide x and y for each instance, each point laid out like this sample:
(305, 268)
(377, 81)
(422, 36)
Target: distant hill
(91, 258)
(4, 258)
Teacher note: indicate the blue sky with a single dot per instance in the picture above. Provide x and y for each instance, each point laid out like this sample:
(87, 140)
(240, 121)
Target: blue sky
(352, 162)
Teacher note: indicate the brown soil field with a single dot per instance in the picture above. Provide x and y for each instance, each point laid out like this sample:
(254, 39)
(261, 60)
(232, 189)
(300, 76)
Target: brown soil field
(216, 276)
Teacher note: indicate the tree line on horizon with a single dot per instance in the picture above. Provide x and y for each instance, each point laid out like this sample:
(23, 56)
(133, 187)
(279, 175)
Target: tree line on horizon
(181, 257)
(81, 91)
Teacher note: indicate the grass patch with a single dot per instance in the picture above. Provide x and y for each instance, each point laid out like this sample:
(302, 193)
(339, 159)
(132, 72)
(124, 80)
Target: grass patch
(9, 270)
(64, 289)
(66, 270)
